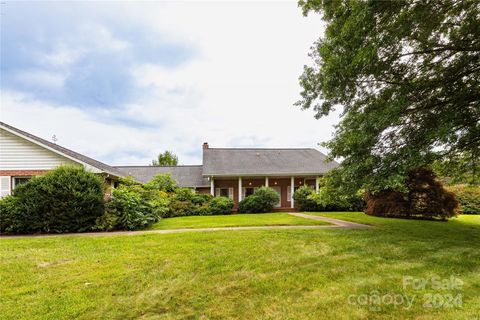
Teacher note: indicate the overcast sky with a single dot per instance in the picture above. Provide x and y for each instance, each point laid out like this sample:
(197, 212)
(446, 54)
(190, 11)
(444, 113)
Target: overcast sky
(121, 82)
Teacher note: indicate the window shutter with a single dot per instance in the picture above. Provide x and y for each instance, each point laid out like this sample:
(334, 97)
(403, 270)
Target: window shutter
(244, 191)
(5, 189)
(230, 193)
(217, 192)
(289, 194)
(255, 189)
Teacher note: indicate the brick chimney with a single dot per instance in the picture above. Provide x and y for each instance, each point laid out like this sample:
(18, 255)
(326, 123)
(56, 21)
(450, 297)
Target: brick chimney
(205, 145)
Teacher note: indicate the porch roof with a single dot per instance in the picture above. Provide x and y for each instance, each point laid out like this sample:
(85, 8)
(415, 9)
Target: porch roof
(264, 162)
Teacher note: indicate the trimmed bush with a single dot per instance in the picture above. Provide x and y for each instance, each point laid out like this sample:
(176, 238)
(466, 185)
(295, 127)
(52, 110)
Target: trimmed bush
(67, 199)
(469, 198)
(263, 200)
(221, 205)
(305, 200)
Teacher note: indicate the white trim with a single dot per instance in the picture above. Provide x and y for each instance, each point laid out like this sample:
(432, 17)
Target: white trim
(292, 190)
(212, 187)
(266, 181)
(239, 189)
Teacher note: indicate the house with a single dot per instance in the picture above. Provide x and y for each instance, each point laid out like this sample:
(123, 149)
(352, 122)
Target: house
(237, 172)
(229, 172)
(23, 155)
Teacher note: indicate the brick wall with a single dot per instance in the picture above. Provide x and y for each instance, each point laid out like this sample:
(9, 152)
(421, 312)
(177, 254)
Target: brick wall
(20, 173)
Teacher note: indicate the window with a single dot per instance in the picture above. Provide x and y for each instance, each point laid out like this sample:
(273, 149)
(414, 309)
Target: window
(20, 180)
(224, 192)
(248, 191)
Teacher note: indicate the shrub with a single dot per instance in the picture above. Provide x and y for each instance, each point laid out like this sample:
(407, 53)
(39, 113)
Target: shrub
(304, 199)
(162, 182)
(67, 199)
(221, 205)
(131, 208)
(263, 200)
(469, 198)
(425, 199)
(250, 204)
(134, 207)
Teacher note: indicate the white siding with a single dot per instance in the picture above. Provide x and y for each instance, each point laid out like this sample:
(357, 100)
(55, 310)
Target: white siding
(5, 186)
(20, 154)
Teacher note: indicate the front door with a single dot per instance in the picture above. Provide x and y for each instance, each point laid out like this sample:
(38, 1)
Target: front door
(279, 191)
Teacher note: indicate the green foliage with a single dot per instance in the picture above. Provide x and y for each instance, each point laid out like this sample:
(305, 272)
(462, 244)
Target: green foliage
(132, 210)
(167, 158)
(469, 198)
(221, 205)
(162, 182)
(263, 200)
(185, 202)
(67, 199)
(134, 206)
(459, 169)
(406, 75)
(304, 199)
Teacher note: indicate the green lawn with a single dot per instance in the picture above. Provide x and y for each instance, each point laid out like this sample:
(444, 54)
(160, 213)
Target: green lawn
(254, 274)
(235, 220)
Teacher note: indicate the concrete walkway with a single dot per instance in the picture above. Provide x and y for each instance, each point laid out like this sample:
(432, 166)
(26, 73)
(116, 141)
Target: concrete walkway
(335, 223)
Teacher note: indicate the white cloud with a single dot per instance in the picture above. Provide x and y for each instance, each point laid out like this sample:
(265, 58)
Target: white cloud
(239, 91)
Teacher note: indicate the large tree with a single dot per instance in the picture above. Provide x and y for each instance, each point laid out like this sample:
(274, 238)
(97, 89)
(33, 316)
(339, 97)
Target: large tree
(166, 158)
(407, 75)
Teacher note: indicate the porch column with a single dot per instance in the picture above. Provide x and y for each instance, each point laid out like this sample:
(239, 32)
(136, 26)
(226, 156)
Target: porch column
(317, 184)
(239, 189)
(212, 187)
(292, 188)
(266, 181)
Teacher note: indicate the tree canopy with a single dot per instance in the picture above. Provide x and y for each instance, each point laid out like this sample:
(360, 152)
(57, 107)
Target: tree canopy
(166, 158)
(407, 75)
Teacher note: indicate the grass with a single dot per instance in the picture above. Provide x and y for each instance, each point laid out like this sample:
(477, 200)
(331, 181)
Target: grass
(255, 274)
(235, 220)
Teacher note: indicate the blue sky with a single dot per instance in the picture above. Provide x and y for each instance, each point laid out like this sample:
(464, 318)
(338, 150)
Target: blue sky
(123, 81)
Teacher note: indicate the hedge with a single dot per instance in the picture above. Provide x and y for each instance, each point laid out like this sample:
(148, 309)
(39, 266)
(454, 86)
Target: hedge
(67, 199)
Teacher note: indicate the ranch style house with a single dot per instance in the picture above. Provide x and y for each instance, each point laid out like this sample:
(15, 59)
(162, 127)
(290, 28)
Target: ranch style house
(230, 172)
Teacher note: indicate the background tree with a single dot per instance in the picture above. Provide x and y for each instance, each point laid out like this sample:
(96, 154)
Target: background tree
(407, 74)
(166, 158)
(462, 168)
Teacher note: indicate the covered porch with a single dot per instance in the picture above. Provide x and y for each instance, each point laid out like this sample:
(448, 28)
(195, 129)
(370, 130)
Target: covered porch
(237, 188)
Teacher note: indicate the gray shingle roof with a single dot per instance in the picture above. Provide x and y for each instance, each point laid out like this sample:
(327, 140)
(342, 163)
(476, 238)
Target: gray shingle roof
(186, 176)
(69, 153)
(233, 161)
